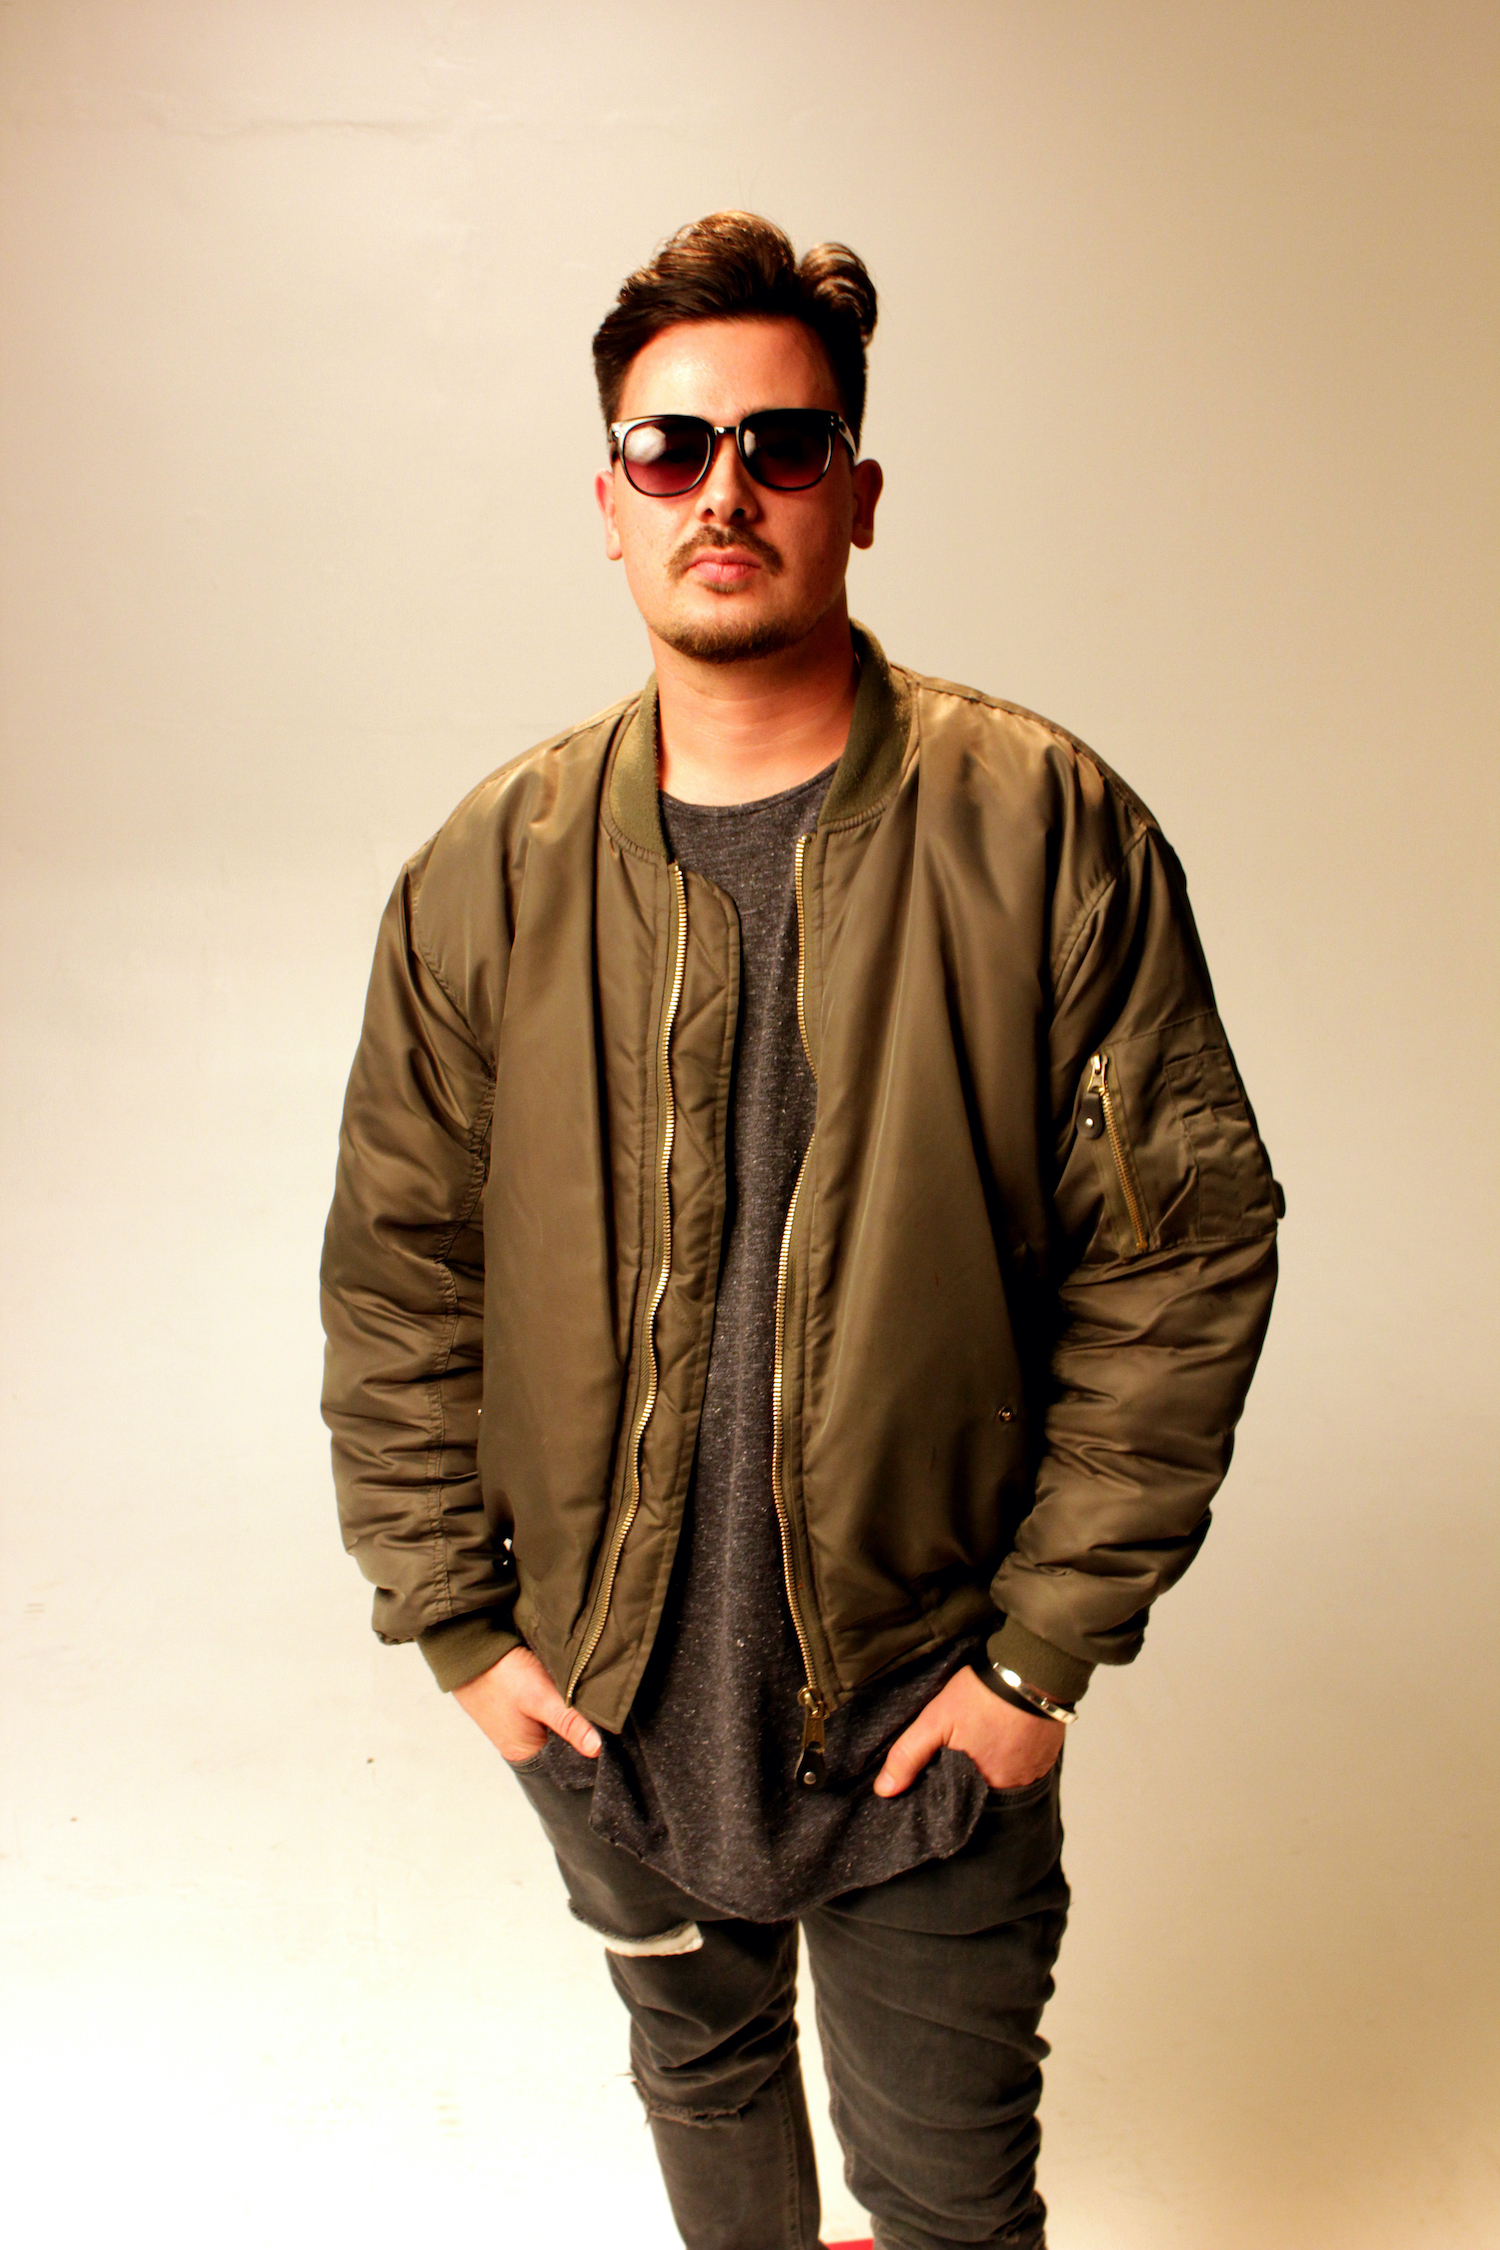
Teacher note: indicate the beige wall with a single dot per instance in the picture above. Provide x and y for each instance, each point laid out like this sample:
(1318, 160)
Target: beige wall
(1185, 388)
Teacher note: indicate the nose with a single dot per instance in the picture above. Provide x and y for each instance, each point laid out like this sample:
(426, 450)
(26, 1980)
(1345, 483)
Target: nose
(728, 493)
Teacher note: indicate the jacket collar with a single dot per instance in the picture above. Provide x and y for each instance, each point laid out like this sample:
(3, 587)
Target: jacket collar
(867, 771)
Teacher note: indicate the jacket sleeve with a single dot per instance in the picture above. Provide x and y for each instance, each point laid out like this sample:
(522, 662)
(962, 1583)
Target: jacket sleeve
(1166, 1262)
(403, 1289)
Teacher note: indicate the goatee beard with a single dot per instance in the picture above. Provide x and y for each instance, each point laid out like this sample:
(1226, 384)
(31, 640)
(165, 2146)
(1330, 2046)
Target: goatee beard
(729, 640)
(733, 641)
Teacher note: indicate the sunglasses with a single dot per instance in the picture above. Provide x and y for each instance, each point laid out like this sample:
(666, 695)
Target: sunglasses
(786, 448)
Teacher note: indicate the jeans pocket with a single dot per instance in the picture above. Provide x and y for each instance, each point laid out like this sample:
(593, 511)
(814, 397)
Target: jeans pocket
(527, 1765)
(1028, 1793)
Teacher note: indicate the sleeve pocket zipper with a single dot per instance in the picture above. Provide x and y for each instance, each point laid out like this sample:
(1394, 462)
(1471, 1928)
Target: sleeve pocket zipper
(1098, 1116)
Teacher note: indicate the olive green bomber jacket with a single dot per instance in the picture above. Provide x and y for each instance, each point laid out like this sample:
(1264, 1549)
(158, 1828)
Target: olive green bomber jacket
(1026, 1271)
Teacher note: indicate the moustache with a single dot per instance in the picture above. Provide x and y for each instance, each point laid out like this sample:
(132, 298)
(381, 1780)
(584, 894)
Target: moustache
(707, 542)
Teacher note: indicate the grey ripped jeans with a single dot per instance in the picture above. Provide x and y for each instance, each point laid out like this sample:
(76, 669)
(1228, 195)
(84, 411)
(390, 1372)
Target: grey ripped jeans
(929, 1991)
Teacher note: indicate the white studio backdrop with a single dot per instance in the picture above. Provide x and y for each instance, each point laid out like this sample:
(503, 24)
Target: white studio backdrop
(1184, 386)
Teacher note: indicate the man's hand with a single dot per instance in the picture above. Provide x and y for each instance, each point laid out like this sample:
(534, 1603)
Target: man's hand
(515, 1704)
(1009, 1747)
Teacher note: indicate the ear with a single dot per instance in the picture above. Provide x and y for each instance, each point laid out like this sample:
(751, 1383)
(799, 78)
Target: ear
(869, 481)
(604, 493)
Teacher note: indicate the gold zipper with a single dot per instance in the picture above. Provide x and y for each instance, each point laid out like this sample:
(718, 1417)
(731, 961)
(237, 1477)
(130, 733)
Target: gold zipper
(1098, 1089)
(664, 1202)
(810, 1760)
(810, 1766)
(812, 1770)
(802, 843)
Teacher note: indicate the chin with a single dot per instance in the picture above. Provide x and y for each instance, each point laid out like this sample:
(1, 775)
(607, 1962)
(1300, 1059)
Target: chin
(733, 640)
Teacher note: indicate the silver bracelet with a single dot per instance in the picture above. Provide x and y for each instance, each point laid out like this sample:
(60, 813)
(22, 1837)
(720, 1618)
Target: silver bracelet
(1042, 1704)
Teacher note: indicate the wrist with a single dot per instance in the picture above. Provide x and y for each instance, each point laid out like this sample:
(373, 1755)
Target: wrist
(1022, 1695)
(460, 1649)
(1061, 1676)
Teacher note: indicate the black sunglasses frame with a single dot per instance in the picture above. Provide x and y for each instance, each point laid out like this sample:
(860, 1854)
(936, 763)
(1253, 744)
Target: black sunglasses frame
(836, 427)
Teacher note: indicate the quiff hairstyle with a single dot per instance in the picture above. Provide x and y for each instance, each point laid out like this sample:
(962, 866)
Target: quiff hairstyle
(733, 265)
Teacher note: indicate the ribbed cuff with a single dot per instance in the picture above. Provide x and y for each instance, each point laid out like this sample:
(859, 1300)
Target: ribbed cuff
(1064, 1678)
(462, 1647)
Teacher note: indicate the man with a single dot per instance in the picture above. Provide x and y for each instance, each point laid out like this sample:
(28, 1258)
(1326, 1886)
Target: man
(799, 1253)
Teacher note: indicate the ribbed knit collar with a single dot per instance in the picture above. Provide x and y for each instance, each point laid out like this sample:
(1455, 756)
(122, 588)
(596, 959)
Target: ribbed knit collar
(867, 771)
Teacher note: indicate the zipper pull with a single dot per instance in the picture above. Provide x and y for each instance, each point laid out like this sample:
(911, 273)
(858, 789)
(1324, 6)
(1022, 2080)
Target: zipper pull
(811, 1770)
(1091, 1108)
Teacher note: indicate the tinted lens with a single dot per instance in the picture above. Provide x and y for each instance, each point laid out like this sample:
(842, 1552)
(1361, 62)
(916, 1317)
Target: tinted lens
(787, 447)
(666, 455)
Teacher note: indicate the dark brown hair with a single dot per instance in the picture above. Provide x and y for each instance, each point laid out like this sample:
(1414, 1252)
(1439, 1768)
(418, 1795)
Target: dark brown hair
(733, 265)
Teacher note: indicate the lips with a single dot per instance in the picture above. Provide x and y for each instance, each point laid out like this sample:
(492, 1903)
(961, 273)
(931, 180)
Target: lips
(716, 568)
(727, 563)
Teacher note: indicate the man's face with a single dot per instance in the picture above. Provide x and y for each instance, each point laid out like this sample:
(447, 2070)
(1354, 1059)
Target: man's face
(732, 570)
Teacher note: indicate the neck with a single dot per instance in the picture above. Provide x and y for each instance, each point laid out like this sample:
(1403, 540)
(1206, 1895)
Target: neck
(730, 733)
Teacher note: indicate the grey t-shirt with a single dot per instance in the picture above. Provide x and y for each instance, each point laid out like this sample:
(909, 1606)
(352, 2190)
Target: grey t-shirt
(700, 1782)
